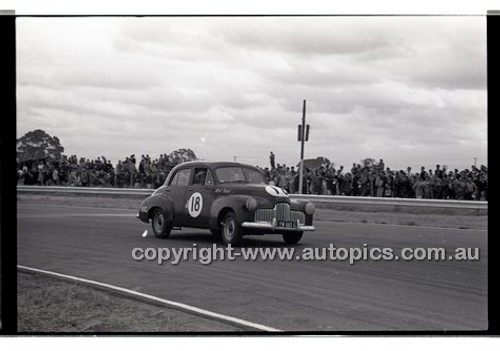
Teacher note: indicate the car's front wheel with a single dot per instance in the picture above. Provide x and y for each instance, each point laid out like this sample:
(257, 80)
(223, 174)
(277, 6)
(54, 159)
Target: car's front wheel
(231, 231)
(292, 238)
(161, 228)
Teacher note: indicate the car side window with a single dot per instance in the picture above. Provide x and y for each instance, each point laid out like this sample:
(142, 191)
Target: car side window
(210, 179)
(174, 179)
(181, 178)
(202, 176)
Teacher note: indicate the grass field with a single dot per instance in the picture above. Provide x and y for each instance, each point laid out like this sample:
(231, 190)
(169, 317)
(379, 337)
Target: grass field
(51, 305)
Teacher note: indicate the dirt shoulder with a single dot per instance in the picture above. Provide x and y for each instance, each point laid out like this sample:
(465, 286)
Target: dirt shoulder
(51, 305)
(477, 222)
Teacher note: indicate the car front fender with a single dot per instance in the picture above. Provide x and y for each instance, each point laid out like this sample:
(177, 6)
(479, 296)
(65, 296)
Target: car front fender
(300, 205)
(235, 203)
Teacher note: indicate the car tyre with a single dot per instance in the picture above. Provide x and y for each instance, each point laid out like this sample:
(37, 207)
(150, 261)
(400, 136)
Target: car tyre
(161, 228)
(292, 238)
(231, 231)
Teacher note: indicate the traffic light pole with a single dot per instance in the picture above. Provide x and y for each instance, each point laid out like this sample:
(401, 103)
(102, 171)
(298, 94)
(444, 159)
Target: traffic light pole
(302, 141)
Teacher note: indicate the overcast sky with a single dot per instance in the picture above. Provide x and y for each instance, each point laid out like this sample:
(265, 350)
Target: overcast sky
(410, 90)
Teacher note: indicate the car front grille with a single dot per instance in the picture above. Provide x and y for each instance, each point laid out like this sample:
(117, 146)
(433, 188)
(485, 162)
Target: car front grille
(280, 212)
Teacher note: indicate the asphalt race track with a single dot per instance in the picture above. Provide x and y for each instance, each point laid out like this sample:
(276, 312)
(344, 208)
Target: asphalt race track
(95, 243)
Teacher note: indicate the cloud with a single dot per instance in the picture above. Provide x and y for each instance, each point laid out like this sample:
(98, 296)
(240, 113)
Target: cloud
(374, 86)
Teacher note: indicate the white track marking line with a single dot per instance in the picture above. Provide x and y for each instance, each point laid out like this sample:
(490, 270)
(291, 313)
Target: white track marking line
(58, 215)
(71, 206)
(178, 305)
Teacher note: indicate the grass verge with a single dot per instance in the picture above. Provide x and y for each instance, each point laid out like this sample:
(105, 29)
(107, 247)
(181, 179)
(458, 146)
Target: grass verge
(52, 305)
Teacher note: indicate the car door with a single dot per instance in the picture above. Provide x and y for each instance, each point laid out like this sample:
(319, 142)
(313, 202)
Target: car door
(176, 191)
(199, 196)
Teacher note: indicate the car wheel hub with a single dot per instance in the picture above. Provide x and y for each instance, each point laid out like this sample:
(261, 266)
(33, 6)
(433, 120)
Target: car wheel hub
(229, 229)
(159, 222)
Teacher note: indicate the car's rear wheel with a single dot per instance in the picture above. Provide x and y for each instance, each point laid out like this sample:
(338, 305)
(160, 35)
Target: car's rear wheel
(231, 231)
(161, 228)
(292, 238)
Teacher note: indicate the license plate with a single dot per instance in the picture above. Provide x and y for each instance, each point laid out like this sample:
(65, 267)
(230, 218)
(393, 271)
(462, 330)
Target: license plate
(287, 224)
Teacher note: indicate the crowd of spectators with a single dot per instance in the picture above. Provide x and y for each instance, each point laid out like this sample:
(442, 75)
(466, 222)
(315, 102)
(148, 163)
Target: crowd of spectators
(380, 181)
(71, 171)
(361, 180)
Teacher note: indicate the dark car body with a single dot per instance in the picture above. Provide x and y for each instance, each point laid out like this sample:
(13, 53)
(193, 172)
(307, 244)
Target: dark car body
(205, 194)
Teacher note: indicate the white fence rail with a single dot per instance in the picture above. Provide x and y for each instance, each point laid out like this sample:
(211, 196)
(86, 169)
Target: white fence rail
(393, 201)
(83, 190)
(354, 200)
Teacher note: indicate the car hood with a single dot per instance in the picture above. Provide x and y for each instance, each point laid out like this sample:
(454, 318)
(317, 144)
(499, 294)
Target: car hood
(271, 193)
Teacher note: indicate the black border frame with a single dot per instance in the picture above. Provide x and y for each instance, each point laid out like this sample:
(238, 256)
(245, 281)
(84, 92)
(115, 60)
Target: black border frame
(8, 191)
(8, 231)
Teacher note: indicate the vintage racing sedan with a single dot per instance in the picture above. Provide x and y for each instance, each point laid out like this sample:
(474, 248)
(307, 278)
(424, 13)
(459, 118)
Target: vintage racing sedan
(230, 199)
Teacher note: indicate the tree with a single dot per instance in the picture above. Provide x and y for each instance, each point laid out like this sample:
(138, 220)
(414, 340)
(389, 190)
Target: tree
(38, 145)
(316, 162)
(368, 162)
(182, 155)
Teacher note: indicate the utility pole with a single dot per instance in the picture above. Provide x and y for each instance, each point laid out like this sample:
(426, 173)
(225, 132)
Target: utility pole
(302, 134)
(475, 162)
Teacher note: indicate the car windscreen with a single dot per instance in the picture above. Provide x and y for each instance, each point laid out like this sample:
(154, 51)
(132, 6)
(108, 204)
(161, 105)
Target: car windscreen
(238, 175)
(253, 176)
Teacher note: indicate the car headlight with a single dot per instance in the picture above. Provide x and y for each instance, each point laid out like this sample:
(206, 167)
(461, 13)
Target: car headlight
(251, 204)
(309, 209)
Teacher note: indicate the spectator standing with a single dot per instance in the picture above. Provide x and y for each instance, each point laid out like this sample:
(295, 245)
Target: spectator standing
(84, 177)
(459, 187)
(347, 185)
(419, 185)
(41, 174)
(365, 182)
(408, 172)
(356, 183)
(470, 190)
(55, 177)
(427, 186)
(271, 160)
(379, 184)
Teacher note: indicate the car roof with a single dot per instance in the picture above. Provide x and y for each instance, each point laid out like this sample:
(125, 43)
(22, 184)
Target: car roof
(210, 165)
(213, 164)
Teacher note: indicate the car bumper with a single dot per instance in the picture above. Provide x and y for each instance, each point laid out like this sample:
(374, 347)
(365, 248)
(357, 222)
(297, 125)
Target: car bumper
(273, 227)
(143, 216)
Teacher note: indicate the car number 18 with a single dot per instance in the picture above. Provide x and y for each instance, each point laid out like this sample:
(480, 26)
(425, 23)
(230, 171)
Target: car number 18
(195, 205)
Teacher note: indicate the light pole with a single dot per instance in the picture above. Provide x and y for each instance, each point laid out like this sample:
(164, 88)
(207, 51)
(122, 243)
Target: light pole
(303, 136)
